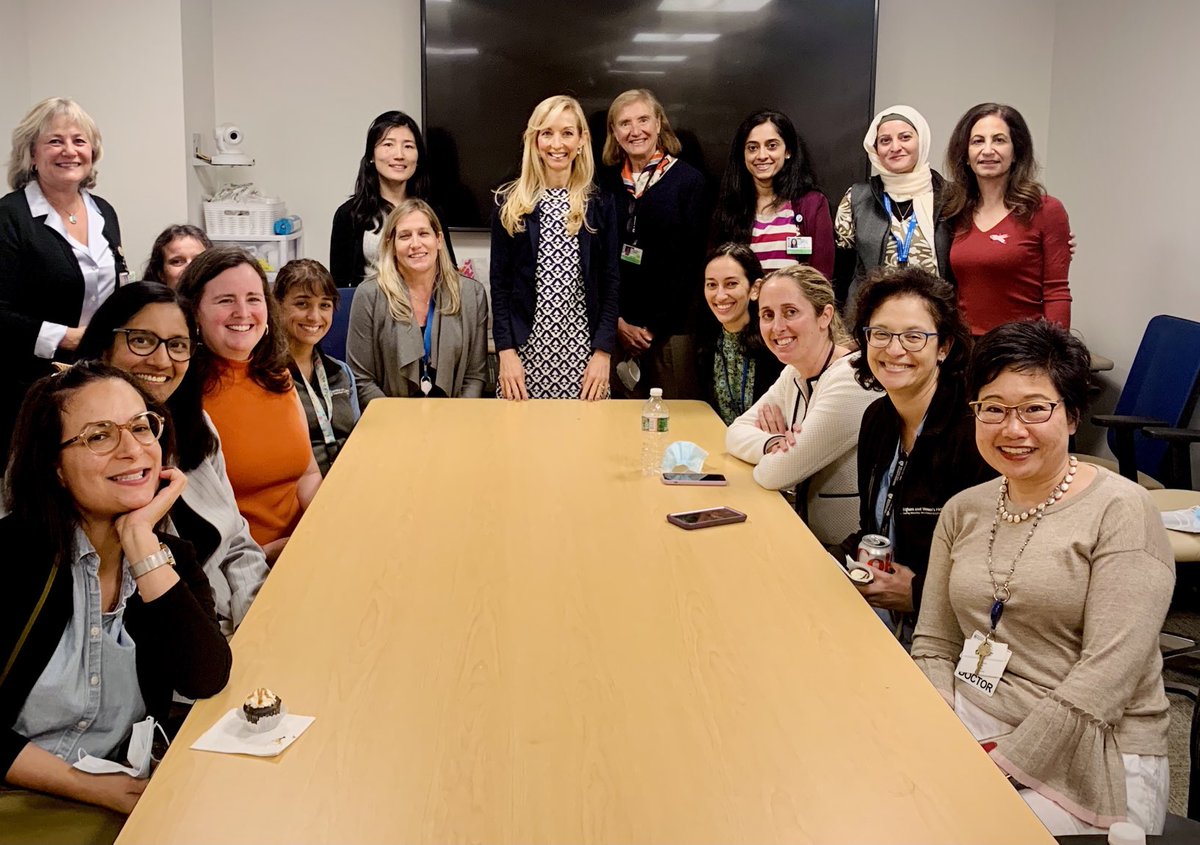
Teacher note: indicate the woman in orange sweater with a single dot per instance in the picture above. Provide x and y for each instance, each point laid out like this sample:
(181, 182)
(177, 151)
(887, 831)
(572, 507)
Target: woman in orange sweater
(248, 393)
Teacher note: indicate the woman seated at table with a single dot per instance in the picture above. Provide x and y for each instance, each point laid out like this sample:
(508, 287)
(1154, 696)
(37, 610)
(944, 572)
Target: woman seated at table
(1012, 248)
(916, 446)
(1065, 570)
(735, 366)
(174, 249)
(308, 297)
(417, 327)
(143, 330)
(804, 429)
(242, 365)
(104, 616)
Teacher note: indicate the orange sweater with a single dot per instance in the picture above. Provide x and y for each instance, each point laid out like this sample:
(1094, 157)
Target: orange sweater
(265, 439)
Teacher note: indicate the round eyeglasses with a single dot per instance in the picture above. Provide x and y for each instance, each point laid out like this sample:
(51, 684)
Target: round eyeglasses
(144, 343)
(103, 437)
(912, 340)
(1030, 413)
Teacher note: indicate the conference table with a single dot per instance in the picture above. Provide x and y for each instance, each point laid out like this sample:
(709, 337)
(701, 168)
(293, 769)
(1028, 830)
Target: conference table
(503, 640)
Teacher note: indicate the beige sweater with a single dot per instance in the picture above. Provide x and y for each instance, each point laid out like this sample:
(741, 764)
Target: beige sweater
(1089, 596)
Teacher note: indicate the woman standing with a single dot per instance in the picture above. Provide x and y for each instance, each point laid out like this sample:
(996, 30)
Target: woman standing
(60, 247)
(662, 221)
(242, 365)
(734, 364)
(417, 327)
(1046, 592)
(916, 446)
(554, 265)
(307, 299)
(174, 249)
(1011, 254)
(392, 168)
(104, 617)
(142, 330)
(804, 430)
(897, 218)
(770, 199)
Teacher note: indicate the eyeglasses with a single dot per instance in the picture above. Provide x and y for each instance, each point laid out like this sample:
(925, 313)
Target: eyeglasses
(144, 344)
(1030, 413)
(913, 341)
(103, 438)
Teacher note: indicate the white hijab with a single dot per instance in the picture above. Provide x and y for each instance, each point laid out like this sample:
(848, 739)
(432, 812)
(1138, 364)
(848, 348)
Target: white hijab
(916, 185)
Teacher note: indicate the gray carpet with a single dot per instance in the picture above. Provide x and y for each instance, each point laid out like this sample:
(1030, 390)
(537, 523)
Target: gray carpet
(1183, 619)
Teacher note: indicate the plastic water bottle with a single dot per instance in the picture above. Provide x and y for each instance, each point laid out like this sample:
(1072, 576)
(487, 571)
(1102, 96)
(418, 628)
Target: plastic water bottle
(656, 423)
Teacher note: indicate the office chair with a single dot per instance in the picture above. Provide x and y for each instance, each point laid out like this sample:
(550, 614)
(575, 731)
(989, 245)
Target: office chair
(334, 343)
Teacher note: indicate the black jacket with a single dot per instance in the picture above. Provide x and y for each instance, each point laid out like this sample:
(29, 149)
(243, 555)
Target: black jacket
(943, 462)
(347, 264)
(40, 281)
(179, 646)
(514, 270)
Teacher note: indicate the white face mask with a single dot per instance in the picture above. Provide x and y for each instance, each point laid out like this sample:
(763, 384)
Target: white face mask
(1187, 520)
(141, 741)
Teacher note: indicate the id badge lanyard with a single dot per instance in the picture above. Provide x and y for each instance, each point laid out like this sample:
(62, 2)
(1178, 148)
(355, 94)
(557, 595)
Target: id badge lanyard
(323, 416)
(631, 226)
(902, 247)
(426, 381)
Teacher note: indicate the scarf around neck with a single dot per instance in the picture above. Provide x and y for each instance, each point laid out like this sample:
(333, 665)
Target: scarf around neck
(917, 185)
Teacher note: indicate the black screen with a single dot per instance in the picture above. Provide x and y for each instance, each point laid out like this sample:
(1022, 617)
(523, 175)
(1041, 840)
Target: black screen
(489, 62)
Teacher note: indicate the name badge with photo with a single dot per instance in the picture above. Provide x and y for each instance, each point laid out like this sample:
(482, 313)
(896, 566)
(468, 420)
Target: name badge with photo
(982, 663)
(632, 254)
(799, 246)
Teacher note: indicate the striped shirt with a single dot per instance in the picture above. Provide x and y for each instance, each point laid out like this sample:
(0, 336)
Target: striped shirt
(769, 237)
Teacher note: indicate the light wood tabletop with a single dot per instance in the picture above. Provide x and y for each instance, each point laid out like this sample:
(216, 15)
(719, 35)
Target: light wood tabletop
(503, 640)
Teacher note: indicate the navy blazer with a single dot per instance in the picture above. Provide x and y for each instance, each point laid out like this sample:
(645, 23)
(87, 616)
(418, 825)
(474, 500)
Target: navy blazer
(514, 268)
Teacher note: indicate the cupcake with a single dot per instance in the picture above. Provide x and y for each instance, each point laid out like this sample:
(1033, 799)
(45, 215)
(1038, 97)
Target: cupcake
(262, 709)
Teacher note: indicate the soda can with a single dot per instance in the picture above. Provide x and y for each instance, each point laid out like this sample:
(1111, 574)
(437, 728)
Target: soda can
(876, 550)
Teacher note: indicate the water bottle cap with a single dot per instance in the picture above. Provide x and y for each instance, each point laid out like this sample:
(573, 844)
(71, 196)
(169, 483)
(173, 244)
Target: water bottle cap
(1126, 833)
(656, 392)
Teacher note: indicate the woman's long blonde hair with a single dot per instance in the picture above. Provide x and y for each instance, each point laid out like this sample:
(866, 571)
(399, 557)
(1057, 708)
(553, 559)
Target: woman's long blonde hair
(389, 278)
(20, 166)
(521, 197)
(816, 289)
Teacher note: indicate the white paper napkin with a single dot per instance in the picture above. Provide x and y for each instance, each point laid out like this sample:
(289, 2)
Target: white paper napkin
(231, 735)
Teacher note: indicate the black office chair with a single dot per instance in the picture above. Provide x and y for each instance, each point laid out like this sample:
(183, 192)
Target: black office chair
(1160, 391)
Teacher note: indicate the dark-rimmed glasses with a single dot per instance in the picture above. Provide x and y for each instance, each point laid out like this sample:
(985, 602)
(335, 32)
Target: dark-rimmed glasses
(144, 343)
(912, 340)
(103, 437)
(1030, 413)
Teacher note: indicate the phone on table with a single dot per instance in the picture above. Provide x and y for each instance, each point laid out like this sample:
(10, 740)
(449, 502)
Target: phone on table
(713, 479)
(706, 518)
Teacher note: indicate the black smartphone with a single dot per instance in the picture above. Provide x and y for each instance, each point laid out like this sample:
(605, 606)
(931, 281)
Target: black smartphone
(707, 518)
(713, 479)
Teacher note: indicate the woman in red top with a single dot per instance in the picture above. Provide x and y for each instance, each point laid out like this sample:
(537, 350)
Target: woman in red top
(242, 361)
(1011, 251)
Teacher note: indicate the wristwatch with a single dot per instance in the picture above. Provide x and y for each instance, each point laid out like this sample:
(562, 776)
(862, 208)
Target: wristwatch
(162, 557)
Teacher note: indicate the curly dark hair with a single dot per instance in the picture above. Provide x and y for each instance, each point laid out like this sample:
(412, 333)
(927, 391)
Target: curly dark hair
(368, 208)
(269, 360)
(1023, 193)
(939, 297)
(1035, 346)
(734, 216)
(156, 266)
(32, 490)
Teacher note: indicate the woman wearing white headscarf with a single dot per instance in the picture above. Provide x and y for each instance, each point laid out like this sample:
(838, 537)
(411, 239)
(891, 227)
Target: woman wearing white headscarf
(894, 218)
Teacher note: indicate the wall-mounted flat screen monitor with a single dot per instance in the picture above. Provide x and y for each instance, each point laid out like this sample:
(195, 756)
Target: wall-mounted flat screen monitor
(710, 62)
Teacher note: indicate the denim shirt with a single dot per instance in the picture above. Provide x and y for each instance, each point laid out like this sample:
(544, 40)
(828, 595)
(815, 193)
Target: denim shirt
(88, 697)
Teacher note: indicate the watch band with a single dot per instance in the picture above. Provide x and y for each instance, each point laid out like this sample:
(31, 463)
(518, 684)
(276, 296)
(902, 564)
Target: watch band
(162, 557)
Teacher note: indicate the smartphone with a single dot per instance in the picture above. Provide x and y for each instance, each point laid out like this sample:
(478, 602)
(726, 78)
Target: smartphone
(714, 479)
(706, 518)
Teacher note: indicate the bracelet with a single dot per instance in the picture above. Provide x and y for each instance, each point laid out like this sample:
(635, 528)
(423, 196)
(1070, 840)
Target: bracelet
(162, 557)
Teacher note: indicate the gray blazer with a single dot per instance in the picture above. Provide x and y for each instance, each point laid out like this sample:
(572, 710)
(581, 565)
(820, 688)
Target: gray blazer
(385, 356)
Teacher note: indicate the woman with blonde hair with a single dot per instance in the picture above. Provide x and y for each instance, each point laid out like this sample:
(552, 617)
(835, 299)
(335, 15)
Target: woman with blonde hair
(554, 265)
(417, 328)
(60, 247)
(662, 215)
(803, 432)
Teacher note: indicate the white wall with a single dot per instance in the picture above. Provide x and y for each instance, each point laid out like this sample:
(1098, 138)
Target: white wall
(14, 73)
(198, 99)
(304, 82)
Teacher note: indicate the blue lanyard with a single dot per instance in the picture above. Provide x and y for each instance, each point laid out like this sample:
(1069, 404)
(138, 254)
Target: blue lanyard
(902, 248)
(427, 334)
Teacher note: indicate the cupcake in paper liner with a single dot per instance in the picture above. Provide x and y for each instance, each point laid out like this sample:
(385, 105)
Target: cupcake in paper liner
(263, 710)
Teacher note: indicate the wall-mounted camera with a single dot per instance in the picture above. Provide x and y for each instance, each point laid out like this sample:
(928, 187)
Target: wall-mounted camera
(229, 137)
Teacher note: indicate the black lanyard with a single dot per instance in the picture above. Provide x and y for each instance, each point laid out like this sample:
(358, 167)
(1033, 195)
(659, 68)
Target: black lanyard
(889, 503)
(631, 224)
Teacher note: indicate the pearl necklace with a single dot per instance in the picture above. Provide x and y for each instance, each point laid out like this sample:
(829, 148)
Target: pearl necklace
(1055, 494)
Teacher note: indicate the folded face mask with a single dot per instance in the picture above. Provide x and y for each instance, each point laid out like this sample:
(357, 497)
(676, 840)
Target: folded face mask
(1187, 520)
(683, 453)
(141, 742)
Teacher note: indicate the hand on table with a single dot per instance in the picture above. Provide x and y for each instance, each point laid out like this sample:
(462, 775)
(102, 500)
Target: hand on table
(890, 590)
(595, 377)
(512, 376)
(118, 791)
(771, 419)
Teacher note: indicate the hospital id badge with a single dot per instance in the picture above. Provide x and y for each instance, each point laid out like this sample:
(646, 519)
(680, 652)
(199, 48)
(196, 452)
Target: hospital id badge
(631, 253)
(982, 663)
(799, 246)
